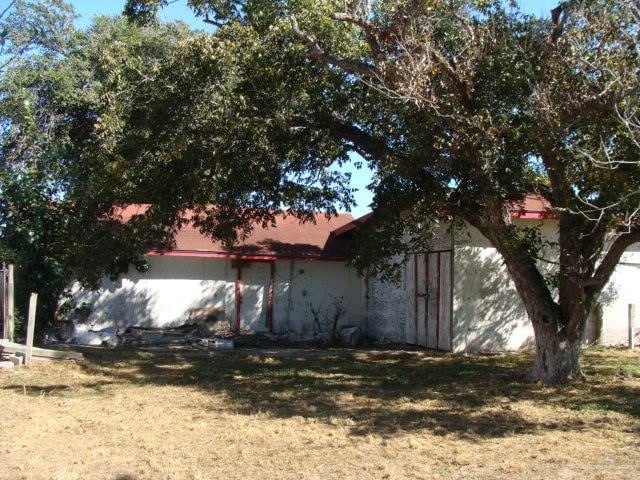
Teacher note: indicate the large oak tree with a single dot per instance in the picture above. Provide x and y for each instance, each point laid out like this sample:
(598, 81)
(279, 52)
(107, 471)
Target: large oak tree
(459, 106)
(462, 107)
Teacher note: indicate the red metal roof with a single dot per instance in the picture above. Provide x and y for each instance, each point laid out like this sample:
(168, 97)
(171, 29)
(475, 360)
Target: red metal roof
(353, 224)
(292, 239)
(534, 207)
(288, 239)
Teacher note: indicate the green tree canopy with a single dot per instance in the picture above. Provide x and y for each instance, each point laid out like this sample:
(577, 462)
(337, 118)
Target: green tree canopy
(464, 106)
(459, 106)
(157, 115)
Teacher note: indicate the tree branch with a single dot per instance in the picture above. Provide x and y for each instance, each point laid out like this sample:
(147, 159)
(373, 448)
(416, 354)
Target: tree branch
(357, 20)
(366, 144)
(612, 257)
(371, 31)
(7, 9)
(594, 285)
(316, 52)
(558, 17)
(210, 21)
(464, 89)
(526, 276)
(561, 188)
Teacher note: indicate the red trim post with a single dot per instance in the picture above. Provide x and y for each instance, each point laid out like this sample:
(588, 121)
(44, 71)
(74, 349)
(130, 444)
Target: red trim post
(271, 296)
(238, 294)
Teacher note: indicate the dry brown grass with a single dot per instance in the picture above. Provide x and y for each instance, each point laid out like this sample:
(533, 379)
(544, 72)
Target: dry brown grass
(129, 414)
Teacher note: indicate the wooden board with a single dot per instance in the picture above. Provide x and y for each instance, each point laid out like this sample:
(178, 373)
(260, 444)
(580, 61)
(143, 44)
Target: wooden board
(11, 347)
(446, 291)
(10, 313)
(31, 325)
(433, 267)
(421, 300)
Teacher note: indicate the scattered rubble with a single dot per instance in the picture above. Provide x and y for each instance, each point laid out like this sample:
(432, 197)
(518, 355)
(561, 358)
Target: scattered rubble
(206, 327)
(98, 338)
(16, 359)
(203, 324)
(217, 343)
(321, 337)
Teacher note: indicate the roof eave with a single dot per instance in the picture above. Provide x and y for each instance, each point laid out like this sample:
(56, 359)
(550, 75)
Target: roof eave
(243, 256)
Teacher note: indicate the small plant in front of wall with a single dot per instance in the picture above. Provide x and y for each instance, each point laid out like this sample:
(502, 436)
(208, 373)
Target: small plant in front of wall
(325, 326)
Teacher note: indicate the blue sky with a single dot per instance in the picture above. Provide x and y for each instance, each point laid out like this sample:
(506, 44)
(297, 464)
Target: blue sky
(178, 10)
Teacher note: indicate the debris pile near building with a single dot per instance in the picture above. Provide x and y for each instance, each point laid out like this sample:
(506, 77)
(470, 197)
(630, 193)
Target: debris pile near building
(205, 326)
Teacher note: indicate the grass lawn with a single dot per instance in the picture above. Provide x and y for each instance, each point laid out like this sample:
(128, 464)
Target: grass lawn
(130, 414)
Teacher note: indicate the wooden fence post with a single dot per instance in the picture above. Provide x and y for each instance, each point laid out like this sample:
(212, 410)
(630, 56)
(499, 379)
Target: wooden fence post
(10, 318)
(31, 323)
(3, 302)
(632, 321)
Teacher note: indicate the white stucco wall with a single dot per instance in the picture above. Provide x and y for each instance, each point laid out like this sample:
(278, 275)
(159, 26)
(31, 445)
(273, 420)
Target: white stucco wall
(391, 307)
(623, 289)
(173, 286)
(304, 286)
(488, 313)
(163, 296)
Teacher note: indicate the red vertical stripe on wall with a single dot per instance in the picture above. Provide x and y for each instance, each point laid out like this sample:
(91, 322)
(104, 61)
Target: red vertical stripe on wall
(271, 297)
(238, 294)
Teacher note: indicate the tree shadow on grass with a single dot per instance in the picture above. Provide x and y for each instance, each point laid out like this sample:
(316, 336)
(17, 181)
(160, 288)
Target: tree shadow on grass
(38, 390)
(380, 393)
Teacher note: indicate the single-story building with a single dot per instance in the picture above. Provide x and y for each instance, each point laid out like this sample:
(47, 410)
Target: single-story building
(293, 280)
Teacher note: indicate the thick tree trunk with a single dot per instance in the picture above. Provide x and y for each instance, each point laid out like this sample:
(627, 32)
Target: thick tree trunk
(557, 355)
(557, 324)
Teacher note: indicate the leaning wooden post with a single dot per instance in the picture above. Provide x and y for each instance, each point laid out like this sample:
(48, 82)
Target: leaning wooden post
(31, 324)
(632, 321)
(10, 312)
